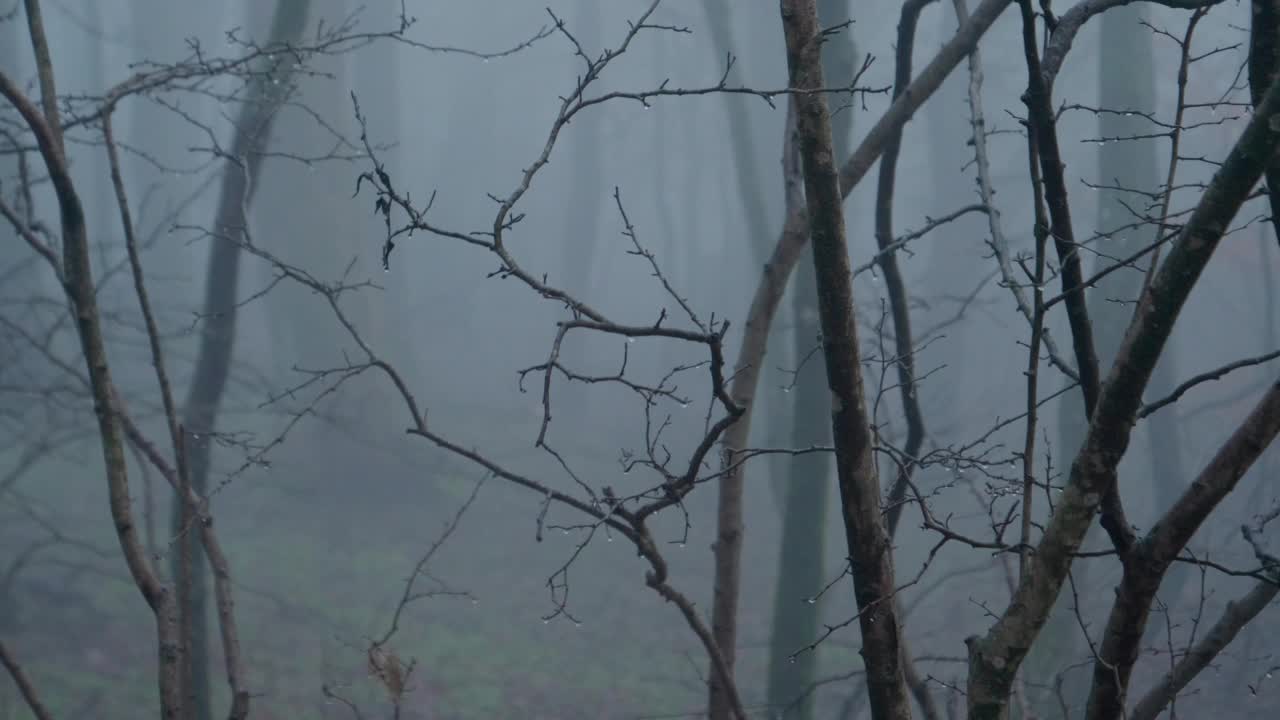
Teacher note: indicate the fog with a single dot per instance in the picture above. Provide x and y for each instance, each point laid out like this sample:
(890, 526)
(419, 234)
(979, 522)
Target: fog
(657, 208)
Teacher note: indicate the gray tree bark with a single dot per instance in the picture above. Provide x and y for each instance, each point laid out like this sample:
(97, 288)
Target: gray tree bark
(802, 557)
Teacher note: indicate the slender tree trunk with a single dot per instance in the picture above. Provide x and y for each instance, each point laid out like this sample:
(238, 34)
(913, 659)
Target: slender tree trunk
(218, 330)
(802, 558)
(76, 276)
(870, 554)
(1128, 164)
(751, 198)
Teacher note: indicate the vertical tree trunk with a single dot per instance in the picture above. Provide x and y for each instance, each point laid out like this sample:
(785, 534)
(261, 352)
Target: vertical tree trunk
(801, 559)
(767, 297)
(1129, 164)
(330, 240)
(870, 555)
(217, 334)
(749, 154)
(728, 543)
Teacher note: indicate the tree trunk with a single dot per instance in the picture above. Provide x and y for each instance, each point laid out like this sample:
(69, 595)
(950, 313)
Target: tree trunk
(802, 558)
(1128, 164)
(217, 334)
(994, 659)
(870, 555)
(764, 303)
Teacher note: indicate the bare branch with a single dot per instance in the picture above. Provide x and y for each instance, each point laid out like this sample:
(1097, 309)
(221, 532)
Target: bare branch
(1153, 555)
(997, 656)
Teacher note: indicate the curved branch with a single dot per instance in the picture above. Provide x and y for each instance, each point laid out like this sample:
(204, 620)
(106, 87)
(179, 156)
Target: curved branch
(895, 286)
(920, 90)
(1070, 22)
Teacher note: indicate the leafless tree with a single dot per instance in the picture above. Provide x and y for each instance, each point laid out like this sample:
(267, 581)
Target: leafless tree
(1035, 548)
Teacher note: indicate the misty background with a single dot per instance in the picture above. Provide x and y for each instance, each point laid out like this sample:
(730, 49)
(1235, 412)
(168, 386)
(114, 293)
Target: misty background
(324, 504)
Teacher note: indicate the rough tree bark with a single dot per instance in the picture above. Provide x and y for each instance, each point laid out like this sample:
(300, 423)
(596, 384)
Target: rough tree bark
(802, 557)
(868, 542)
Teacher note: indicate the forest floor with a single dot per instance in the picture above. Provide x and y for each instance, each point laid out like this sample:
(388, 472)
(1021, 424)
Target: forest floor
(317, 581)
